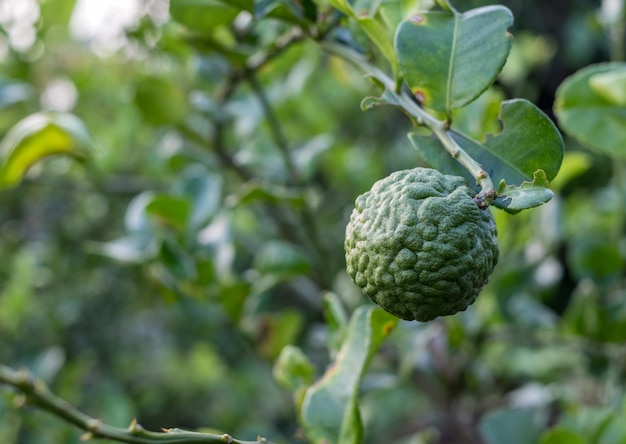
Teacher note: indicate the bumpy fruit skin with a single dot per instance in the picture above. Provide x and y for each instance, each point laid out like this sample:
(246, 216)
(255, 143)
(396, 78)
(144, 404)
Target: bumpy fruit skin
(418, 245)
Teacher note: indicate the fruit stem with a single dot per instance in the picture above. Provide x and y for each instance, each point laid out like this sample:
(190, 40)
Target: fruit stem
(406, 102)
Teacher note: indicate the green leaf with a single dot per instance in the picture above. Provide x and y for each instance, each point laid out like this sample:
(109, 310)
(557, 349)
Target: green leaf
(378, 34)
(36, 137)
(203, 189)
(282, 258)
(448, 59)
(330, 410)
(590, 107)
(160, 101)
(509, 425)
(134, 248)
(343, 6)
(286, 10)
(528, 142)
(336, 322)
(293, 368)
(528, 195)
(204, 16)
(170, 210)
(559, 435)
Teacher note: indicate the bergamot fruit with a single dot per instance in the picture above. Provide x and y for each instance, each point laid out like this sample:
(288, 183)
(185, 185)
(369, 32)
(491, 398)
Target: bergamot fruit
(418, 245)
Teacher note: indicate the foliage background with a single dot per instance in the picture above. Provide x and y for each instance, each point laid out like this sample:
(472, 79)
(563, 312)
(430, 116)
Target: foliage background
(129, 309)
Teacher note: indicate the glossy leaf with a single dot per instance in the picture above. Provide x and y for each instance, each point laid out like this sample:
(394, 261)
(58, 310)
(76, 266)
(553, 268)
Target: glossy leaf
(590, 106)
(330, 410)
(528, 142)
(36, 137)
(449, 58)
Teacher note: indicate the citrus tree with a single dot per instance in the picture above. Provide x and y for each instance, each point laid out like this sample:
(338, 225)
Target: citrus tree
(189, 239)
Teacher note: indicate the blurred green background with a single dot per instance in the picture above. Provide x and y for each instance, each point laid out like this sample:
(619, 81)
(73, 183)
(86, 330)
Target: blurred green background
(161, 278)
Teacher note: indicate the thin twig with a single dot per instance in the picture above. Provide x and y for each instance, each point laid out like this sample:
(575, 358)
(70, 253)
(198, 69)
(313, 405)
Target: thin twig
(36, 391)
(439, 128)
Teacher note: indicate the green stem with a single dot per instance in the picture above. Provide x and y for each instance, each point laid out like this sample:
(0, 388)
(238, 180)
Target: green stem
(275, 128)
(36, 391)
(420, 117)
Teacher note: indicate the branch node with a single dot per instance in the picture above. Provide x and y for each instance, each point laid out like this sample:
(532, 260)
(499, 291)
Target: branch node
(93, 425)
(135, 428)
(227, 438)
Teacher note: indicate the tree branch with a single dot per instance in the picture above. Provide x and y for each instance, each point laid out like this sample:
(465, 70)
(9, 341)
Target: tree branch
(439, 128)
(36, 391)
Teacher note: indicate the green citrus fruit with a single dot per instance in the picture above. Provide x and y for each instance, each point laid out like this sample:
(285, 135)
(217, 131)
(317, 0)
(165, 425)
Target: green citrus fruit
(418, 245)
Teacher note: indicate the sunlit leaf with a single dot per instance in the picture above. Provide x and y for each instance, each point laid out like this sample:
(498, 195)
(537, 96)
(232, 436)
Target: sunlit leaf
(449, 58)
(36, 137)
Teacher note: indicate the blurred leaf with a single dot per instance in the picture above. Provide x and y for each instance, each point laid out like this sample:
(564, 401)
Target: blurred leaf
(287, 10)
(336, 322)
(379, 35)
(36, 137)
(449, 58)
(558, 435)
(204, 16)
(56, 12)
(574, 164)
(395, 11)
(509, 425)
(252, 192)
(178, 261)
(330, 410)
(136, 217)
(170, 210)
(589, 107)
(610, 85)
(293, 369)
(203, 190)
(134, 248)
(599, 261)
(277, 330)
(282, 258)
(160, 102)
